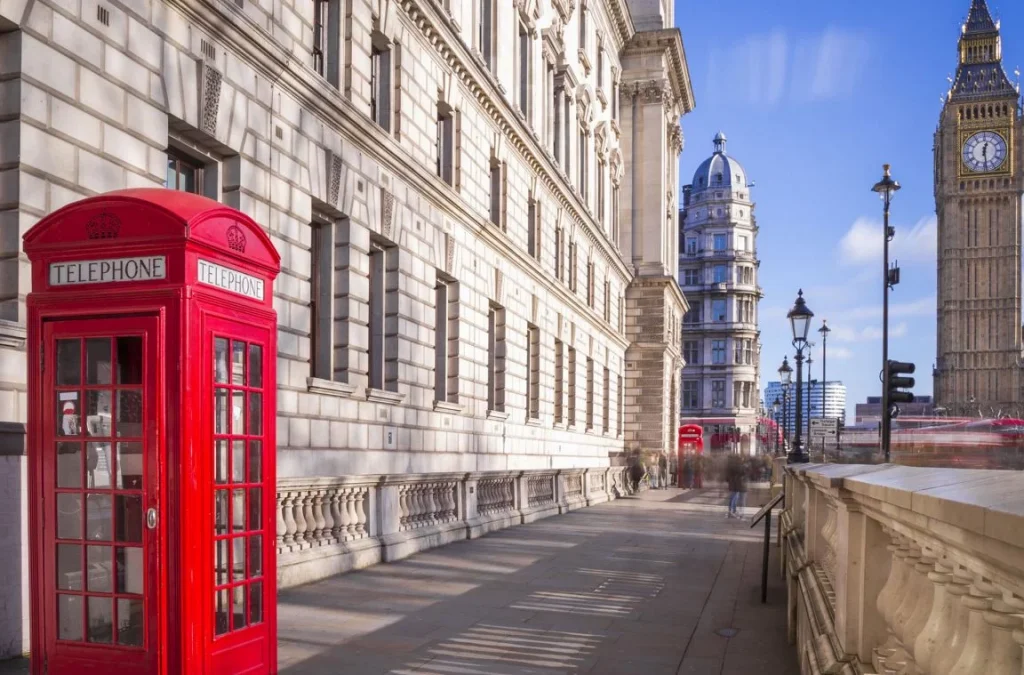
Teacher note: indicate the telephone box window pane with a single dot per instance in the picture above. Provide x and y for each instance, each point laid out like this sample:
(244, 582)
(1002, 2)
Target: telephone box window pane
(255, 366)
(100, 566)
(129, 518)
(238, 363)
(69, 567)
(220, 360)
(101, 620)
(129, 413)
(237, 412)
(221, 512)
(129, 360)
(238, 559)
(69, 465)
(256, 556)
(98, 513)
(238, 461)
(220, 461)
(255, 603)
(129, 465)
(68, 421)
(255, 512)
(255, 413)
(97, 361)
(220, 402)
(238, 606)
(98, 464)
(255, 461)
(129, 570)
(69, 516)
(238, 510)
(97, 413)
(69, 362)
(69, 617)
(130, 622)
(222, 562)
(221, 613)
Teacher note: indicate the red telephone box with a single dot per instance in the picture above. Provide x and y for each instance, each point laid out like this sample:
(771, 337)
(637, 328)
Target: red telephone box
(152, 404)
(691, 441)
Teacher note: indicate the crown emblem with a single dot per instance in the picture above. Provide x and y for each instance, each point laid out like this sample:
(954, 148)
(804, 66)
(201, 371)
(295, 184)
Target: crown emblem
(236, 239)
(103, 226)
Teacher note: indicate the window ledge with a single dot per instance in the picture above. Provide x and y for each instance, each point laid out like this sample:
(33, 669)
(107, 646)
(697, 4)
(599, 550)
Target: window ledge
(12, 334)
(448, 407)
(383, 396)
(533, 421)
(317, 385)
(559, 425)
(497, 415)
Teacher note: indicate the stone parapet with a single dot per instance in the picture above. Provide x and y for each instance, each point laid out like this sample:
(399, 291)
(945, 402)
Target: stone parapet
(894, 569)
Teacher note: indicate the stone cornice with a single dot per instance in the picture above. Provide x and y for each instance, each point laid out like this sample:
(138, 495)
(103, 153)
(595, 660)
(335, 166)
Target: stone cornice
(668, 41)
(622, 21)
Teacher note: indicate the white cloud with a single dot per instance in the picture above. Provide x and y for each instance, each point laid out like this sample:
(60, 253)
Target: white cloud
(840, 353)
(922, 307)
(840, 58)
(844, 333)
(862, 243)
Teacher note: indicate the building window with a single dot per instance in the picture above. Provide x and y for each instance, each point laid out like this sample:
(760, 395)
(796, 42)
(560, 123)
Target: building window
(600, 67)
(622, 314)
(380, 82)
(691, 395)
(615, 215)
(721, 242)
(533, 219)
(691, 246)
(583, 28)
(383, 347)
(717, 393)
(718, 310)
(573, 266)
(748, 352)
(523, 71)
(606, 407)
(738, 351)
(590, 284)
(691, 277)
(498, 193)
(590, 394)
(559, 254)
(485, 31)
(741, 243)
(533, 372)
(556, 121)
(572, 386)
(320, 23)
(496, 358)
(559, 382)
(695, 315)
(607, 301)
(446, 340)
(691, 352)
(322, 300)
(183, 173)
(718, 352)
(621, 405)
(445, 143)
(721, 274)
(582, 173)
(601, 170)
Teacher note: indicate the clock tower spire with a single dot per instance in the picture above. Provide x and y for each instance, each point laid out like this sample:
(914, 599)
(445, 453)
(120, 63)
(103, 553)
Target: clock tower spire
(978, 189)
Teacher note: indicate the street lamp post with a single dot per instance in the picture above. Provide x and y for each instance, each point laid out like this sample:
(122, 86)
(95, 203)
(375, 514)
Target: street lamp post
(824, 330)
(800, 321)
(775, 416)
(886, 189)
(810, 405)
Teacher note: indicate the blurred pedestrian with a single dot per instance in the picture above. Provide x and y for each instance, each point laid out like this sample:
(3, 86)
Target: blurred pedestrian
(736, 477)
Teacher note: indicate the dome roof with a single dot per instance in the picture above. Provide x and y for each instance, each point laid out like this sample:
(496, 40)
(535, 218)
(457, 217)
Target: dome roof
(719, 170)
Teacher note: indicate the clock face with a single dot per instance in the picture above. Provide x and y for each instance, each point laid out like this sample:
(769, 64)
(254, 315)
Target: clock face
(984, 151)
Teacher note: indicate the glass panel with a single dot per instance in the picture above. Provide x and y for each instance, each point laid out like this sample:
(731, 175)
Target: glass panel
(220, 360)
(255, 366)
(238, 510)
(255, 413)
(220, 397)
(256, 556)
(68, 420)
(100, 569)
(130, 622)
(238, 461)
(220, 519)
(238, 559)
(129, 518)
(97, 361)
(69, 516)
(129, 465)
(129, 413)
(98, 512)
(255, 603)
(221, 566)
(101, 620)
(238, 412)
(69, 362)
(255, 461)
(255, 512)
(238, 606)
(172, 173)
(238, 363)
(98, 464)
(220, 461)
(129, 570)
(221, 611)
(69, 567)
(69, 617)
(129, 360)
(69, 465)
(97, 413)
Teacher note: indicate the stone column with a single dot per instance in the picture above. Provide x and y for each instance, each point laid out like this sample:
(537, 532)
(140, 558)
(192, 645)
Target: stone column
(862, 568)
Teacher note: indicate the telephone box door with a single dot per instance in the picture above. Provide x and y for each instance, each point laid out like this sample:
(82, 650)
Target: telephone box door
(100, 478)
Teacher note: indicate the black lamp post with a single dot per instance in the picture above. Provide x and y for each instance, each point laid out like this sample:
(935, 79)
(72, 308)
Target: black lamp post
(785, 377)
(775, 416)
(800, 321)
(886, 189)
(810, 405)
(824, 330)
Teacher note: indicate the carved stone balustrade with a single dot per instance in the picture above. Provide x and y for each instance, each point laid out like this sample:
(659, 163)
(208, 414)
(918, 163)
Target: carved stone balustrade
(904, 570)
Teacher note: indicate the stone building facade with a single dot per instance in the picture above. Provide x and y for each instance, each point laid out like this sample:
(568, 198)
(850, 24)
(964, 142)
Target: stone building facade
(979, 180)
(718, 271)
(473, 202)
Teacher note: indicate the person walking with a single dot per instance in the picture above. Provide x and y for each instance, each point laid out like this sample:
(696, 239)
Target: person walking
(687, 472)
(663, 466)
(735, 473)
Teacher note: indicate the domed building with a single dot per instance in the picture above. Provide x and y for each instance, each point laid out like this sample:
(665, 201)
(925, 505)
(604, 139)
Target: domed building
(718, 274)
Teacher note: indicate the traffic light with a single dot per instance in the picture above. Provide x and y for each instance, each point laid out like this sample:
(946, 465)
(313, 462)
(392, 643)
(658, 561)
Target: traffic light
(895, 370)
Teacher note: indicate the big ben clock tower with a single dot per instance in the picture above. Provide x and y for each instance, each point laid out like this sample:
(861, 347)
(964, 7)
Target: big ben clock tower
(978, 185)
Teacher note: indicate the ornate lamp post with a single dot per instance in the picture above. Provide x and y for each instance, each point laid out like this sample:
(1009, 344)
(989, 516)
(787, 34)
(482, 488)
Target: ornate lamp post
(785, 377)
(886, 189)
(824, 330)
(800, 321)
(810, 405)
(775, 416)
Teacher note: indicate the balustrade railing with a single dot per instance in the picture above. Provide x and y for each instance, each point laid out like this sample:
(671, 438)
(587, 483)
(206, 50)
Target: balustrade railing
(540, 490)
(574, 486)
(496, 495)
(426, 504)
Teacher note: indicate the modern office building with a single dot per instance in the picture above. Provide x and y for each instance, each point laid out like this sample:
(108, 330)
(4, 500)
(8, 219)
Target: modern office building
(825, 401)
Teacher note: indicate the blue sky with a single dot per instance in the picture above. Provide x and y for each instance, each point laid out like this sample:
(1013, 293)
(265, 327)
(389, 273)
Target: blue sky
(814, 97)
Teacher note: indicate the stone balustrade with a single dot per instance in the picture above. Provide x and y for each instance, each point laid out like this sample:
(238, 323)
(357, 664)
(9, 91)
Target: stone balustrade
(326, 526)
(903, 570)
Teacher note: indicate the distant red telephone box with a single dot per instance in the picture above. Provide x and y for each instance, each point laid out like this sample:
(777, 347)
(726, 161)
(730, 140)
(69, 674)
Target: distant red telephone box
(691, 441)
(152, 404)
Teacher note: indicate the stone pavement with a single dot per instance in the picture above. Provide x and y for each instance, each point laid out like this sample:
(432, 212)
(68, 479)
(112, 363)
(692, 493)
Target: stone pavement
(659, 583)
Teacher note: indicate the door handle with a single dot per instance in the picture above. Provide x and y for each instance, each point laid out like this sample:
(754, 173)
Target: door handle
(151, 518)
